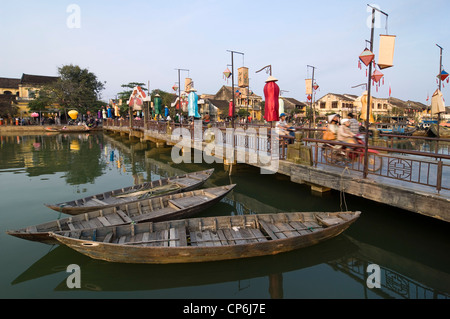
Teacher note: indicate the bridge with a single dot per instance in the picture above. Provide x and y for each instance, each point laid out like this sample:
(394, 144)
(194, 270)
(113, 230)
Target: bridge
(416, 181)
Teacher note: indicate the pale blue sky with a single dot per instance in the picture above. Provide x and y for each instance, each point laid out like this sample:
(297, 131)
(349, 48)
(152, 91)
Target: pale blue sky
(127, 41)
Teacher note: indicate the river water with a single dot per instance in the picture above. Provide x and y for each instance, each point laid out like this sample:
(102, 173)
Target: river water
(410, 250)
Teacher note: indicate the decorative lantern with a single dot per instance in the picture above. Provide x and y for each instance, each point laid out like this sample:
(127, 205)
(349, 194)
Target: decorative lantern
(230, 109)
(366, 57)
(193, 104)
(157, 103)
(243, 77)
(315, 86)
(271, 93)
(34, 114)
(376, 76)
(227, 73)
(73, 114)
(386, 51)
(175, 87)
(443, 75)
(309, 97)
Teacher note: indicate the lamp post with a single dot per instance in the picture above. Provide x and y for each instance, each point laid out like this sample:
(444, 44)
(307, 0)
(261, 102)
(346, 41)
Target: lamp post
(312, 97)
(440, 80)
(366, 140)
(232, 84)
(179, 87)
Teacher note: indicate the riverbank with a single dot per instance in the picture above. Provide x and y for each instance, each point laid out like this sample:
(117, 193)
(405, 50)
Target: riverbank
(38, 129)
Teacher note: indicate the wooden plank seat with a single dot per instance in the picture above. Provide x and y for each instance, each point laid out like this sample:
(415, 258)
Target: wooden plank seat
(185, 202)
(154, 214)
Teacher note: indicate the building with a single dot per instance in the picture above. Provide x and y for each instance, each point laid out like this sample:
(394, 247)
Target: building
(24, 89)
(343, 104)
(220, 102)
(293, 106)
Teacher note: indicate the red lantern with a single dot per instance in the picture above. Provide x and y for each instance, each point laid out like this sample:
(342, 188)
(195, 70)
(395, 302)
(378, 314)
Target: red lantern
(366, 57)
(271, 93)
(443, 75)
(231, 109)
(377, 75)
(309, 97)
(175, 87)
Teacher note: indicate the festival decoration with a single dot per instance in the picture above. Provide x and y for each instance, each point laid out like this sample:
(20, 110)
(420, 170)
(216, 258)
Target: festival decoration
(442, 76)
(364, 108)
(136, 99)
(366, 57)
(437, 102)
(34, 114)
(157, 104)
(193, 104)
(280, 106)
(175, 87)
(230, 109)
(308, 86)
(271, 93)
(243, 77)
(73, 114)
(227, 73)
(188, 84)
(386, 51)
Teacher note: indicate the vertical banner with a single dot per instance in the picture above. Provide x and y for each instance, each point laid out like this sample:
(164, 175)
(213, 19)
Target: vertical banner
(188, 85)
(308, 86)
(386, 51)
(243, 77)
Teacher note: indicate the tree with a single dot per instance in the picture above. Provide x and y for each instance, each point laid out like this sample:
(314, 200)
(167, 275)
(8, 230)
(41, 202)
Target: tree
(76, 88)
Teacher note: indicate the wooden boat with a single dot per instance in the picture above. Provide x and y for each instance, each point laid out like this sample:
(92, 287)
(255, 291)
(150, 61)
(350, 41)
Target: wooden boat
(174, 206)
(444, 132)
(68, 129)
(166, 186)
(207, 239)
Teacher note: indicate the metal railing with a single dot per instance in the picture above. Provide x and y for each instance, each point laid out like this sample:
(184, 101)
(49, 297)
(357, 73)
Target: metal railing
(416, 167)
(409, 166)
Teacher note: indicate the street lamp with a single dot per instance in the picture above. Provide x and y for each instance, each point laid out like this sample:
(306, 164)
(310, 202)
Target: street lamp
(232, 84)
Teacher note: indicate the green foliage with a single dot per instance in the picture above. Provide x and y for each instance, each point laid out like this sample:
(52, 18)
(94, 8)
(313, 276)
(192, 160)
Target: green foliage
(76, 88)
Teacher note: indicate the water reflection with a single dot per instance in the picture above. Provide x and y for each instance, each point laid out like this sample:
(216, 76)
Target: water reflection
(411, 250)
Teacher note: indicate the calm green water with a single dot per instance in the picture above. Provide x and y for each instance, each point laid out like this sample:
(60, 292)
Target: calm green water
(411, 250)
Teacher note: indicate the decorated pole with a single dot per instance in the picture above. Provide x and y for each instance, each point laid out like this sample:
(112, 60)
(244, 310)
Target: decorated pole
(232, 85)
(440, 82)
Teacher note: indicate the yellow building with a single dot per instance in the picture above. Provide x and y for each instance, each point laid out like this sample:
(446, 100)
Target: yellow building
(25, 89)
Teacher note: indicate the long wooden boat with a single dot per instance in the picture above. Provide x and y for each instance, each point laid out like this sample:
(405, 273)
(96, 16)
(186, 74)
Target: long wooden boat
(165, 186)
(207, 239)
(174, 206)
(444, 132)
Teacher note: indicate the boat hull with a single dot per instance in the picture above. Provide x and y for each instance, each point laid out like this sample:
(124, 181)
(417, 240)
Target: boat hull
(195, 254)
(41, 232)
(73, 208)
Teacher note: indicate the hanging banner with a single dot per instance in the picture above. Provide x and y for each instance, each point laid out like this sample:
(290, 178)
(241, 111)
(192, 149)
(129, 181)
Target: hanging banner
(243, 77)
(386, 51)
(280, 106)
(437, 103)
(188, 85)
(308, 86)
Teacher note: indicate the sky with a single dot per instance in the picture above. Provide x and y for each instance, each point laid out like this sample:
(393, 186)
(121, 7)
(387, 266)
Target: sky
(147, 41)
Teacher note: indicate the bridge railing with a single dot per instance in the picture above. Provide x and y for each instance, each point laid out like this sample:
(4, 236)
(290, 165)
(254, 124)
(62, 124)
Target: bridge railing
(423, 168)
